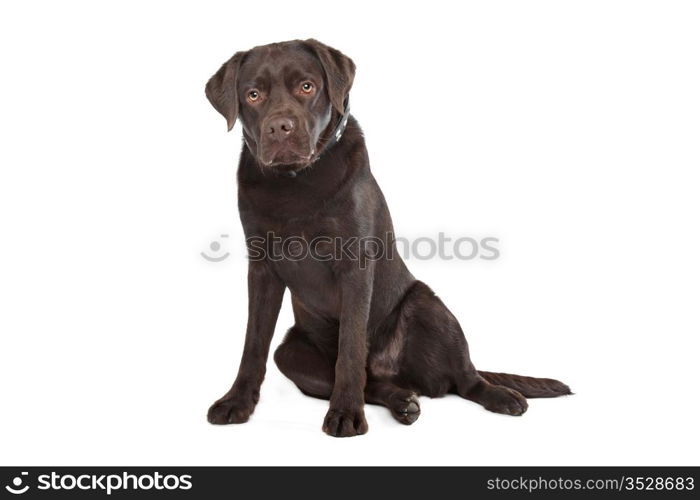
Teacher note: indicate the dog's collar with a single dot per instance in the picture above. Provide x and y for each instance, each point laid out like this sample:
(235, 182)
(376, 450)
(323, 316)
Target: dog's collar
(339, 130)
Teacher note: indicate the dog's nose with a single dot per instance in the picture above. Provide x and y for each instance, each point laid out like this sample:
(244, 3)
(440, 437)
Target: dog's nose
(280, 128)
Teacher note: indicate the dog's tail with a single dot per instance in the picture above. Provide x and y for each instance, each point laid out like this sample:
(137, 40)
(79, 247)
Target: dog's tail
(530, 387)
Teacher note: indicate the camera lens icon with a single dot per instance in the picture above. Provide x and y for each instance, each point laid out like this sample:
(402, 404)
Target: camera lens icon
(218, 254)
(16, 488)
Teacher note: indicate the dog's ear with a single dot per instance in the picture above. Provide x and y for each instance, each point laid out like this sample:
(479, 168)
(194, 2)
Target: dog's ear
(339, 69)
(221, 89)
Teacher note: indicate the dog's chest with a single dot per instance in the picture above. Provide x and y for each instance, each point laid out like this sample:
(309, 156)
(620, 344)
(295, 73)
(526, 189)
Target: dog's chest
(302, 243)
(305, 257)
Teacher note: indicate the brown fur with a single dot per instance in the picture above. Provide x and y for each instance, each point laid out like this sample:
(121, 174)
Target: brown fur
(362, 333)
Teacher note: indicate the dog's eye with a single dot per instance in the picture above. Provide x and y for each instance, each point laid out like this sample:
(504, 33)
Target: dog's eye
(253, 95)
(307, 87)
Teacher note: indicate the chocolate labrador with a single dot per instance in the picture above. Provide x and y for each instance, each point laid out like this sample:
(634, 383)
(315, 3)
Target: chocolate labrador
(316, 222)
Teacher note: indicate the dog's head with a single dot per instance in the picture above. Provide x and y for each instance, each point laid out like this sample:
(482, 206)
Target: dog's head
(286, 96)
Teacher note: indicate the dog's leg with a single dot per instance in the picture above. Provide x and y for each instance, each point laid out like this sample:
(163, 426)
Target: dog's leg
(312, 371)
(346, 416)
(403, 403)
(495, 398)
(436, 360)
(265, 292)
(305, 364)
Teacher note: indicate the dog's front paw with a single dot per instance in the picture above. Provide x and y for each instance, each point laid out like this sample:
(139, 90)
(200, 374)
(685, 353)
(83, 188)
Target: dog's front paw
(231, 410)
(345, 423)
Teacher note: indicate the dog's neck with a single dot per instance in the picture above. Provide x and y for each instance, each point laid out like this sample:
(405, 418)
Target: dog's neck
(337, 132)
(313, 186)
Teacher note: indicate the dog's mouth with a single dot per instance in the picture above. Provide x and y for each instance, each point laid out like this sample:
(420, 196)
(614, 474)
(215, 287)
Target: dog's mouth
(287, 157)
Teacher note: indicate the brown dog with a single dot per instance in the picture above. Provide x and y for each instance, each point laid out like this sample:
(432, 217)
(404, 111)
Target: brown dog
(365, 329)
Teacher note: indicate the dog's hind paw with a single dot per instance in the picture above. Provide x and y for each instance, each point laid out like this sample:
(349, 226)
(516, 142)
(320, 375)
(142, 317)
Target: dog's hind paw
(503, 400)
(404, 406)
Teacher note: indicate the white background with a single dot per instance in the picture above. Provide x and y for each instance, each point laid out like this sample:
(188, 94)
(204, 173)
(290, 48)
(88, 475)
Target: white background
(569, 130)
